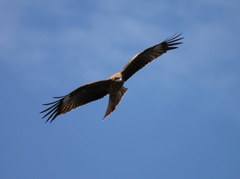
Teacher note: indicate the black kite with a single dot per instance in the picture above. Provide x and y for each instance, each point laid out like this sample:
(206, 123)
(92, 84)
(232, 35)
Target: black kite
(112, 86)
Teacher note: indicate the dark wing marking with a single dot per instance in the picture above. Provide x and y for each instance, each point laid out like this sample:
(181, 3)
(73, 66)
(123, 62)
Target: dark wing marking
(148, 55)
(114, 100)
(83, 95)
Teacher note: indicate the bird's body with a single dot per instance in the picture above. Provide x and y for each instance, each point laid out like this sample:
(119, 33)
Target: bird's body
(112, 86)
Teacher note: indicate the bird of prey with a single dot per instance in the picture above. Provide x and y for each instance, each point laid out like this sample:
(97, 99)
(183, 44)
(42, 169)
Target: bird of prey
(112, 86)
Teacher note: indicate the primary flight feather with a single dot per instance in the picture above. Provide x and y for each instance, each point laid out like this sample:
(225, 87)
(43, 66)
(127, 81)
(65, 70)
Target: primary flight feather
(112, 86)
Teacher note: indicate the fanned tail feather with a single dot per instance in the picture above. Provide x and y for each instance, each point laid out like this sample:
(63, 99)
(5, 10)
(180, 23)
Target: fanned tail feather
(114, 100)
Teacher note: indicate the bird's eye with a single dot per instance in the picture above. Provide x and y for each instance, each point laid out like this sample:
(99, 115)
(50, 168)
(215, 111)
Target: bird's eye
(118, 78)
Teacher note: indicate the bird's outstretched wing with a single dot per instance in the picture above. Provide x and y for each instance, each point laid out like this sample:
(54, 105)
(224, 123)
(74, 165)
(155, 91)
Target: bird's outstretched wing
(114, 100)
(83, 95)
(148, 55)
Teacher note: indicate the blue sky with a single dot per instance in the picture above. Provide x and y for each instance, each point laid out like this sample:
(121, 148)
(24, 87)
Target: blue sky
(180, 117)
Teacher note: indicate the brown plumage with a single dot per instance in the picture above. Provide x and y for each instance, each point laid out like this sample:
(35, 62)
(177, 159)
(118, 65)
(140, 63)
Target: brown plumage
(112, 86)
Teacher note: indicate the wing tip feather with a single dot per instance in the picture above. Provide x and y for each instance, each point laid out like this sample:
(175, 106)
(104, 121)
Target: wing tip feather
(173, 40)
(52, 112)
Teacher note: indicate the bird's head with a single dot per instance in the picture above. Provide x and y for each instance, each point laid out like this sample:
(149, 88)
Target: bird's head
(117, 77)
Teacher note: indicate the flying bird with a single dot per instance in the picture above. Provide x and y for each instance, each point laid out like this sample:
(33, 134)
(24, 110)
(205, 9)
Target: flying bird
(113, 86)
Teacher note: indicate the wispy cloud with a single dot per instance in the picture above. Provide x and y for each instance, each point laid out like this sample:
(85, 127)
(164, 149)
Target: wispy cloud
(94, 43)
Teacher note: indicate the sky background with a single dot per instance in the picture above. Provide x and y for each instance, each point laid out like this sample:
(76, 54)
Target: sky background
(180, 117)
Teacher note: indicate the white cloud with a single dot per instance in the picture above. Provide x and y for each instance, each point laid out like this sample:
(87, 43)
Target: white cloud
(93, 44)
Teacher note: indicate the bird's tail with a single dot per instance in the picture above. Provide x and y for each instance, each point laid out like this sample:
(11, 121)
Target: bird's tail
(114, 100)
